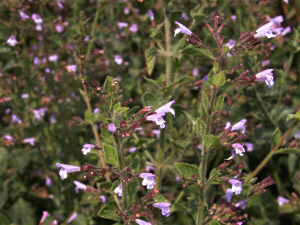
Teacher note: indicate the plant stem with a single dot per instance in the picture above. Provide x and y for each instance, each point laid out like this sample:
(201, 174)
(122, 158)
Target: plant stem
(160, 158)
(272, 152)
(122, 166)
(168, 46)
(92, 33)
(204, 161)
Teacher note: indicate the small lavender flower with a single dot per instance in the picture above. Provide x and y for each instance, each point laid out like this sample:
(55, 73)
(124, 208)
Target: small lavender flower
(7, 111)
(79, 186)
(23, 15)
(297, 136)
(25, 95)
(249, 146)
(142, 222)
(182, 29)
(286, 31)
(54, 222)
(236, 186)
(102, 198)
(53, 58)
(230, 44)
(239, 126)
(242, 204)
(96, 110)
(48, 182)
(265, 30)
(36, 19)
(150, 14)
(8, 137)
(195, 72)
(160, 112)
(65, 169)
(132, 149)
(118, 190)
(126, 11)
(239, 149)
(228, 195)
(12, 41)
(118, 59)
(52, 118)
(36, 61)
(44, 216)
(29, 141)
(164, 207)
(233, 17)
(277, 20)
(265, 62)
(87, 148)
(265, 76)
(149, 180)
(286, 1)
(39, 113)
(133, 28)
(184, 16)
(282, 200)
(148, 168)
(72, 217)
(15, 119)
(156, 133)
(59, 28)
(112, 128)
(122, 25)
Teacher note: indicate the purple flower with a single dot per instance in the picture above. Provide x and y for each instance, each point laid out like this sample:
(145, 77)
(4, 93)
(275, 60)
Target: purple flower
(12, 41)
(65, 169)
(96, 110)
(23, 15)
(132, 149)
(36, 61)
(195, 71)
(44, 216)
(54, 222)
(25, 95)
(265, 62)
(233, 17)
(87, 148)
(38, 27)
(126, 11)
(7, 111)
(53, 58)
(118, 59)
(249, 146)
(265, 30)
(36, 19)
(228, 195)
(160, 112)
(156, 133)
(8, 137)
(48, 182)
(230, 44)
(236, 186)
(297, 136)
(142, 222)
(242, 204)
(118, 190)
(59, 28)
(182, 29)
(111, 128)
(15, 119)
(265, 76)
(79, 186)
(122, 25)
(52, 118)
(149, 180)
(72, 217)
(239, 126)
(29, 141)
(286, 31)
(148, 168)
(282, 200)
(286, 1)
(39, 113)
(133, 28)
(102, 198)
(164, 207)
(277, 20)
(184, 16)
(239, 149)
(150, 14)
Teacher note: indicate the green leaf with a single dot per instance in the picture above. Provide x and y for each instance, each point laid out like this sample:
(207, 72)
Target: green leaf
(190, 50)
(118, 110)
(90, 117)
(186, 170)
(19, 160)
(293, 116)
(275, 137)
(107, 86)
(148, 99)
(110, 154)
(205, 102)
(287, 151)
(214, 222)
(150, 55)
(21, 212)
(197, 14)
(107, 211)
(132, 188)
(211, 142)
(4, 220)
(200, 127)
(215, 67)
(219, 79)
(219, 103)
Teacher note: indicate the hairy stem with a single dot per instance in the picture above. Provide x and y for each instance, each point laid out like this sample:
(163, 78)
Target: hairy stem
(204, 161)
(168, 47)
(123, 177)
(160, 158)
(272, 152)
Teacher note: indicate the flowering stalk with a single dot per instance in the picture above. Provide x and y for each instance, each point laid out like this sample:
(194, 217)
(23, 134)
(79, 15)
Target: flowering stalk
(168, 47)
(122, 166)
(204, 161)
(271, 153)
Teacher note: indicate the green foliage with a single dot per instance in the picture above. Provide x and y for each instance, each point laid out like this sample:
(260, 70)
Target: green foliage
(110, 154)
